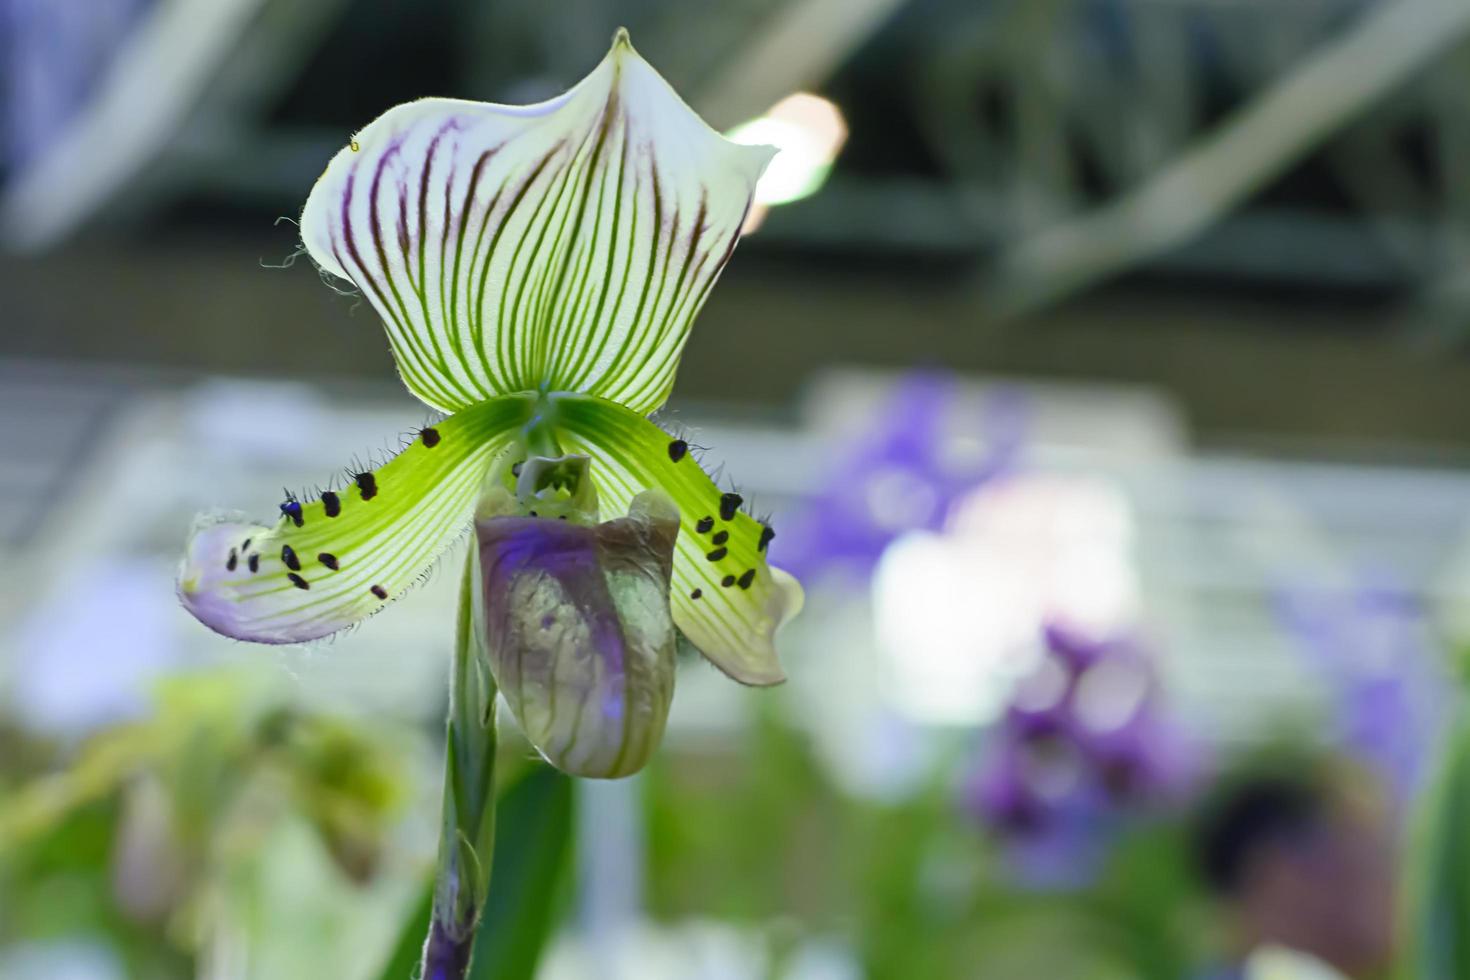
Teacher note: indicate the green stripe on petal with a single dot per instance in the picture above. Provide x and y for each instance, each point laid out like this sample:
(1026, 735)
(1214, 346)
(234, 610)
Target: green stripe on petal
(563, 246)
(343, 557)
(720, 556)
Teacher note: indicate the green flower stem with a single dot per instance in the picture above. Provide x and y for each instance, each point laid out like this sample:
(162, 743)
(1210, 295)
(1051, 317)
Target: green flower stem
(540, 432)
(467, 836)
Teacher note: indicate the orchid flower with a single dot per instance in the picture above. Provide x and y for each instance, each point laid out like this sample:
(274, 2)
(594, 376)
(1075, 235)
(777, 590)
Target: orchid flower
(537, 269)
(1084, 744)
(905, 472)
(1389, 688)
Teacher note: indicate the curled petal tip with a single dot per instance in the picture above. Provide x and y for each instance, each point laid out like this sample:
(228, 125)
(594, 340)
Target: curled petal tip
(213, 559)
(783, 603)
(766, 675)
(788, 596)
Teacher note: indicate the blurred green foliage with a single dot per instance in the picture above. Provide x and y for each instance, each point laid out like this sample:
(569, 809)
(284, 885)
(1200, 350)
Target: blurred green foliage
(1437, 902)
(530, 875)
(152, 835)
(764, 838)
(158, 831)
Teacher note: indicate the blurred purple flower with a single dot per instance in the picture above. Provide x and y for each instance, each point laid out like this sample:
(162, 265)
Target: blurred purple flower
(1068, 851)
(1001, 794)
(54, 55)
(1390, 685)
(1033, 796)
(914, 461)
(1084, 746)
(1074, 648)
(1152, 759)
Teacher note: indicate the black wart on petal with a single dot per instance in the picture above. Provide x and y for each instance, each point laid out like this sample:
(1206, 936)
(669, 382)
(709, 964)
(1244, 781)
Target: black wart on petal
(367, 485)
(729, 504)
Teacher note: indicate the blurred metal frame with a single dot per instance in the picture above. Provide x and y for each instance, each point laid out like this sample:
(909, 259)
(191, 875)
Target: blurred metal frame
(1331, 375)
(1080, 140)
(1097, 90)
(1347, 75)
(210, 63)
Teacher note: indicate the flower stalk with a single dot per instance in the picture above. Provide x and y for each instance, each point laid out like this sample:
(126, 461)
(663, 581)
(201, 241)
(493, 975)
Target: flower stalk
(467, 834)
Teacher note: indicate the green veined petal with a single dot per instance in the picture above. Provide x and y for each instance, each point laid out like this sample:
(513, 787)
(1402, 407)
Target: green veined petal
(726, 599)
(354, 550)
(560, 246)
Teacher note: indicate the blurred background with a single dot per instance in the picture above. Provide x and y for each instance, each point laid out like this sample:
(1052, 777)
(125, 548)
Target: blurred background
(1101, 362)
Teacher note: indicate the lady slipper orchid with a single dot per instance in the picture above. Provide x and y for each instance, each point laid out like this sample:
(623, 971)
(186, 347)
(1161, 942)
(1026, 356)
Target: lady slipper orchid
(537, 269)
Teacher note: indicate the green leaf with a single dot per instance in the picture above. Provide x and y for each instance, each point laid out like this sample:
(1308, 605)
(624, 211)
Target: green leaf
(1438, 876)
(564, 246)
(533, 844)
(404, 961)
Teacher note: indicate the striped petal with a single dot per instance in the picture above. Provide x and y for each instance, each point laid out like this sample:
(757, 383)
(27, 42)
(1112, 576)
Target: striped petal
(337, 560)
(560, 246)
(726, 599)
